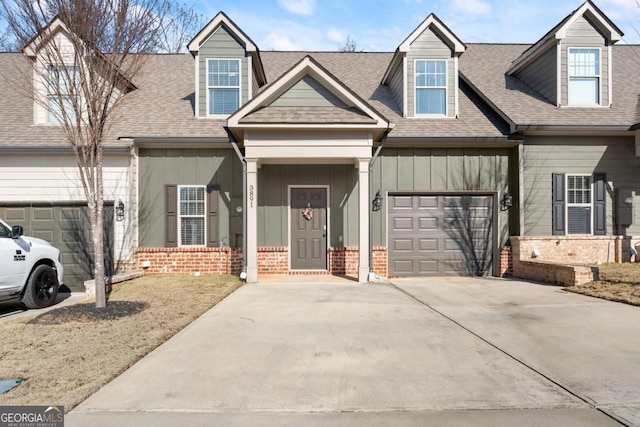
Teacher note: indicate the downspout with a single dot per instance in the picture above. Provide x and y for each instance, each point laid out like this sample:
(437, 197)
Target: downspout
(390, 127)
(234, 144)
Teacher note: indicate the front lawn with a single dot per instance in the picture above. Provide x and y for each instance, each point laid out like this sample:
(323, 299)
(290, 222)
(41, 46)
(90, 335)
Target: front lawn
(67, 354)
(618, 282)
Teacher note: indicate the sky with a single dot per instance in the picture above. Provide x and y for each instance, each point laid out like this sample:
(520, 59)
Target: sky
(381, 25)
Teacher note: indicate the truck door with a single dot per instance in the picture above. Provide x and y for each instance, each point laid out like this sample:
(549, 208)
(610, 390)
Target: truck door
(13, 261)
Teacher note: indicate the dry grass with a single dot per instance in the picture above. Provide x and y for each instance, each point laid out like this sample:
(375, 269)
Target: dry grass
(63, 364)
(618, 282)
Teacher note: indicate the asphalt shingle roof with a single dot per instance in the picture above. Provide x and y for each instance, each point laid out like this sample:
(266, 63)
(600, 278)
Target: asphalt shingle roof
(163, 104)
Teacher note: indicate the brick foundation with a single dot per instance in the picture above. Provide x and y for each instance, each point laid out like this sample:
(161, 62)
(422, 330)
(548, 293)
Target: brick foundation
(271, 260)
(506, 262)
(179, 261)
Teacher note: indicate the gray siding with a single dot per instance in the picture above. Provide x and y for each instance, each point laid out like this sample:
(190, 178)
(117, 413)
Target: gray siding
(397, 87)
(222, 44)
(430, 46)
(439, 170)
(273, 199)
(542, 75)
(188, 167)
(543, 156)
(583, 34)
(254, 84)
(308, 92)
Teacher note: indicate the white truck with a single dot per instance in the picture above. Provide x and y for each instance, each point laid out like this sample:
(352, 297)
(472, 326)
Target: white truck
(30, 268)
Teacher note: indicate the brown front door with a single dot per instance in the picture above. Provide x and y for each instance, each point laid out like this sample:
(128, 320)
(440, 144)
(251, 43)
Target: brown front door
(308, 228)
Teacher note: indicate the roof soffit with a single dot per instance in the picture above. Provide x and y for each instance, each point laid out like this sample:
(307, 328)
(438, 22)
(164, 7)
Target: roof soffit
(590, 12)
(433, 23)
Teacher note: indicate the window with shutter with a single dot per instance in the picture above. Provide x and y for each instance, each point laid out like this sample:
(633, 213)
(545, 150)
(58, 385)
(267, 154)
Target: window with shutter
(191, 215)
(579, 204)
(223, 86)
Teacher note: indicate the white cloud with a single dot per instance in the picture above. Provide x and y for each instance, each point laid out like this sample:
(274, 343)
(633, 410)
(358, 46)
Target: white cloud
(471, 7)
(275, 41)
(336, 35)
(298, 7)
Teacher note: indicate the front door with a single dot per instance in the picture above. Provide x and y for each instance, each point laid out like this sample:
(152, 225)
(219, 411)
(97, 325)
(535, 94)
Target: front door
(308, 228)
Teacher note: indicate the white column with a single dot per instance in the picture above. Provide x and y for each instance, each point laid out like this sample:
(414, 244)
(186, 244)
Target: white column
(252, 221)
(363, 212)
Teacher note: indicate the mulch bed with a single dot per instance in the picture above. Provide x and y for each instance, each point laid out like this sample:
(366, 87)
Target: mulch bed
(85, 313)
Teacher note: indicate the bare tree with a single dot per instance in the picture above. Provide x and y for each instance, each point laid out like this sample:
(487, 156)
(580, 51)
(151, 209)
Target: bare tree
(83, 55)
(350, 45)
(179, 26)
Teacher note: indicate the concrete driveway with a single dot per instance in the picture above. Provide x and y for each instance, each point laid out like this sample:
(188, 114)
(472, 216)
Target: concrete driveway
(450, 352)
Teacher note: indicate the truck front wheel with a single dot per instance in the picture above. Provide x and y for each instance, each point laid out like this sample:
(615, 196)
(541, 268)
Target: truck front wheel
(42, 287)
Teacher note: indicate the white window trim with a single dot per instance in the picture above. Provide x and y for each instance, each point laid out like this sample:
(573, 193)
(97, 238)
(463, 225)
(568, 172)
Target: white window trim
(48, 95)
(207, 87)
(180, 216)
(445, 87)
(599, 77)
(568, 204)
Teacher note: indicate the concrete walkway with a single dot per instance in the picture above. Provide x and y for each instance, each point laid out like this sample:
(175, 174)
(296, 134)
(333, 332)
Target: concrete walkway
(429, 351)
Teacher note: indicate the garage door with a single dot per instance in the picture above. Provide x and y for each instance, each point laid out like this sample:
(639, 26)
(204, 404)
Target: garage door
(67, 227)
(440, 235)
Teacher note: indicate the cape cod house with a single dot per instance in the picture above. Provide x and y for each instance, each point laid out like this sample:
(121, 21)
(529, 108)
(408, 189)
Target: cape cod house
(423, 161)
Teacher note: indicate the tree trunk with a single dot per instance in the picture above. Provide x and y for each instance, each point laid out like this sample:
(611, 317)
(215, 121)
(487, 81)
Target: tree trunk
(97, 230)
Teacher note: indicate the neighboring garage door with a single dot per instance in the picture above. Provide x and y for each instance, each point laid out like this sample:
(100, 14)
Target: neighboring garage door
(440, 235)
(67, 227)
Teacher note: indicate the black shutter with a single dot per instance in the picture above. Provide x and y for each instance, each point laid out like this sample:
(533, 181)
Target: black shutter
(599, 204)
(557, 219)
(171, 216)
(212, 216)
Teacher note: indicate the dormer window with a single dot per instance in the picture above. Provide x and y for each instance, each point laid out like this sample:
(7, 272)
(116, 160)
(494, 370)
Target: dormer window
(431, 87)
(223, 86)
(61, 92)
(584, 76)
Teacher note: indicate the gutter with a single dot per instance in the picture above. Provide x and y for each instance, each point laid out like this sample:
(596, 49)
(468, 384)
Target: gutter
(234, 144)
(390, 127)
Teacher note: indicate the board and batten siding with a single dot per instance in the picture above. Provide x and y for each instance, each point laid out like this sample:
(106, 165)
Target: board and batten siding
(273, 199)
(543, 156)
(308, 92)
(160, 167)
(54, 178)
(222, 44)
(542, 75)
(583, 34)
(438, 171)
(430, 46)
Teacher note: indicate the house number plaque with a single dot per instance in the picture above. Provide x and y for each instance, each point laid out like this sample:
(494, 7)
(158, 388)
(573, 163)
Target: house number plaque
(251, 195)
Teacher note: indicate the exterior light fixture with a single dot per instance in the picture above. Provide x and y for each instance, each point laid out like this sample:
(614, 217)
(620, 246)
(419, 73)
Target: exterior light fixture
(377, 202)
(120, 211)
(506, 202)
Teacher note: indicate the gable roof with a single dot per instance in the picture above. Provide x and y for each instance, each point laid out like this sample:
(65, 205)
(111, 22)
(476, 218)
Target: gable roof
(57, 25)
(529, 110)
(432, 21)
(221, 19)
(356, 112)
(559, 32)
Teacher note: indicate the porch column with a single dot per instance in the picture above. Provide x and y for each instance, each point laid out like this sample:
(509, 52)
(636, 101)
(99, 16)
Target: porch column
(363, 213)
(252, 220)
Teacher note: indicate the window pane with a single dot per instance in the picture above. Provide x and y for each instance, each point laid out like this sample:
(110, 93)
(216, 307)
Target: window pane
(430, 101)
(579, 220)
(192, 231)
(223, 101)
(584, 62)
(584, 91)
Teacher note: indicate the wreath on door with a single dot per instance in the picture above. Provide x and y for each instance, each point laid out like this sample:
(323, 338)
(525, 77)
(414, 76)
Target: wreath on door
(308, 213)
